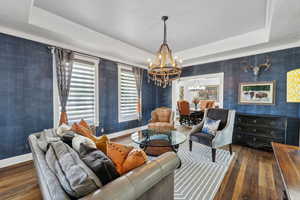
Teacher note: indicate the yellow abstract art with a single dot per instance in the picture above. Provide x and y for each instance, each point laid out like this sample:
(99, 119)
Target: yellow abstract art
(293, 86)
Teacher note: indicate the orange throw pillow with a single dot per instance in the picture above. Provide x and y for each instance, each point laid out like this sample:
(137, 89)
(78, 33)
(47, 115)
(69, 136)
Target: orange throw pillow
(84, 124)
(101, 143)
(82, 130)
(135, 158)
(118, 154)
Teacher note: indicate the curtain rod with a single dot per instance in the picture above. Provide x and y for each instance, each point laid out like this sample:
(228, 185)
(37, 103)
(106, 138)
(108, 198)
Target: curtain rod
(85, 54)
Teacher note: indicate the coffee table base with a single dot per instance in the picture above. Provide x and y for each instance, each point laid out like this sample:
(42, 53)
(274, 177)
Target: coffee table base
(159, 147)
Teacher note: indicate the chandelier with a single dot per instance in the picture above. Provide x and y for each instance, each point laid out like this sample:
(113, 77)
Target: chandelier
(164, 69)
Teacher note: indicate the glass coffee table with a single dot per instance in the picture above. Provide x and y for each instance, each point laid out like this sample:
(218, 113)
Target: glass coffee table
(157, 142)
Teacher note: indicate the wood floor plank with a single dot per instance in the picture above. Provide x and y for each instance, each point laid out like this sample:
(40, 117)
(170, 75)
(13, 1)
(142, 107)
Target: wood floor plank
(238, 189)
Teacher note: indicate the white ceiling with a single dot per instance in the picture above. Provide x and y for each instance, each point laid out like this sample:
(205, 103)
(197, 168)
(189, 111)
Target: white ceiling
(199, 31)
(137, 22)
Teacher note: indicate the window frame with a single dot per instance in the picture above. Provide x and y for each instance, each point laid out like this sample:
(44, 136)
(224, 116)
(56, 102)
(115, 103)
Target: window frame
(120, 118)
(56, 111)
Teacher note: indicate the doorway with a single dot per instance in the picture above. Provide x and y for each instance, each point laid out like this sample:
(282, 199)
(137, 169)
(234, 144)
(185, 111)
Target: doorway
(206, 87)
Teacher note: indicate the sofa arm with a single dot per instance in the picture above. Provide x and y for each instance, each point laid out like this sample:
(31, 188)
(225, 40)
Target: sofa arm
(197, 128)
(138, 181)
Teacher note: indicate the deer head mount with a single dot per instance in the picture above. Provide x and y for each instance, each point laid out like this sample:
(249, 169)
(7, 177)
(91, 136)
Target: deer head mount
(257, 68)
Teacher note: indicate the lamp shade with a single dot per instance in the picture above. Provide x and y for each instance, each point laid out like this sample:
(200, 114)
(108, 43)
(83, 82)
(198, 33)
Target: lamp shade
(293, 86)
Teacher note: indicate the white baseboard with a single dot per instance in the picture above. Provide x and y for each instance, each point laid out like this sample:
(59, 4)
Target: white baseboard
(26, 157)
(15, 160)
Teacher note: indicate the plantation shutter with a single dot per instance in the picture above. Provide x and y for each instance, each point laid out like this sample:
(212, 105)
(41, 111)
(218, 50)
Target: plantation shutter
(128, 94)
(82, 98)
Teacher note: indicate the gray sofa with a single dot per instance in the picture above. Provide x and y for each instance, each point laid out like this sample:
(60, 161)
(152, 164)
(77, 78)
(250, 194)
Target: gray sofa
(153, 180)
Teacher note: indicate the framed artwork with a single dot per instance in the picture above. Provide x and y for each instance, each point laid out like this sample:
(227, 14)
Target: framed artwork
(259, 93)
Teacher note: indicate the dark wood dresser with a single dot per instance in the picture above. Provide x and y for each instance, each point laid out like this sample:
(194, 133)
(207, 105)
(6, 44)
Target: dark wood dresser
(258, 131)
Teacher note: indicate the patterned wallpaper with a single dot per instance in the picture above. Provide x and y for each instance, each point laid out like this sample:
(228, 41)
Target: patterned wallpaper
(25, 93)
(26, 90)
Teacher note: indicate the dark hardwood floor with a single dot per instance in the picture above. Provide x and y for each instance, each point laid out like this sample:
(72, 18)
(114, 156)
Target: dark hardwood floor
(252, 175)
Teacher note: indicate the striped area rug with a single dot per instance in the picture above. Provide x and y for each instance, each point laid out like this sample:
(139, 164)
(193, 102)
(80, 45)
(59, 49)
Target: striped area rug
(199, 178)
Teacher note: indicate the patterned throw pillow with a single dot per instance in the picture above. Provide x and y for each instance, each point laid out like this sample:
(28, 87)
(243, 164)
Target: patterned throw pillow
(118, 154)
(125, 157)
(135, 158)
(210, 126)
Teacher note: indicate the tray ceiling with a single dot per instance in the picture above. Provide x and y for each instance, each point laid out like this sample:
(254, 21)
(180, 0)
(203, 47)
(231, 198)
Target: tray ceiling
(137, 22)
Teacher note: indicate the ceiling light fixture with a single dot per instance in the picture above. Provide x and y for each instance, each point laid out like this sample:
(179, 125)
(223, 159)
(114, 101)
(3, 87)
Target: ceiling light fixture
(165, 68)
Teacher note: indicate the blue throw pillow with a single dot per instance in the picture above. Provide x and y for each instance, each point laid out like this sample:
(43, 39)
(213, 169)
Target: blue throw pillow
(210, 126)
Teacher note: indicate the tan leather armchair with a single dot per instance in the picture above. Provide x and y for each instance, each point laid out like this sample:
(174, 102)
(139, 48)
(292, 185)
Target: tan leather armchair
(162, 118)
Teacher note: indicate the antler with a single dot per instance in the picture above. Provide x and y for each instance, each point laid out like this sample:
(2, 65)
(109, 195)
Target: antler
(247, 66)
(266, 65)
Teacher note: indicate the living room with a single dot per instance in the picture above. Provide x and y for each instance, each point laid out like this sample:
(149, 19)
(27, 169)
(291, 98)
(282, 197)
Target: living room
(120, 100)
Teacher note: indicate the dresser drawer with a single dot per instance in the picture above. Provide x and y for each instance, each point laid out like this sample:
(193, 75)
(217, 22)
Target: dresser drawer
(260, 131)
(256, 141)
(273, 122)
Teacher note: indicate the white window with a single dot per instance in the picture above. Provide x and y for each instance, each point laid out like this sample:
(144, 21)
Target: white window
(128, 98)
(83, 98)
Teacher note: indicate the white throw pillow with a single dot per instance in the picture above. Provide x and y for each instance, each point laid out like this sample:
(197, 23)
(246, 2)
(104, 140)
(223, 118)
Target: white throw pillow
(79, 139)
(60, 131)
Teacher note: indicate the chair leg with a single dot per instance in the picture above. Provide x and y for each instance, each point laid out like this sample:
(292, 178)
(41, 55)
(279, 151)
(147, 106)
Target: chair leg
(230, 149)
(191, 145)
(213, 152)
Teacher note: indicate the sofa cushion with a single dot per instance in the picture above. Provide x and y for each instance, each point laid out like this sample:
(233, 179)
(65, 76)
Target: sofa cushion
(218, 114)
(75, 177)
(160, 125)
(202, 138)
(99, 163)
(45, 138)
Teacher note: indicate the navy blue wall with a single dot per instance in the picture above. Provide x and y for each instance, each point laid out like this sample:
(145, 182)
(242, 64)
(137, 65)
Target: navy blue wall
(25, 93)
(108, 74)
(282, 61)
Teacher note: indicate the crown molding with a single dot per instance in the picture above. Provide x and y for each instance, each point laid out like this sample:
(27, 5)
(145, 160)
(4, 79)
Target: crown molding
(97, 42)
(249, 51)
(232, 43)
